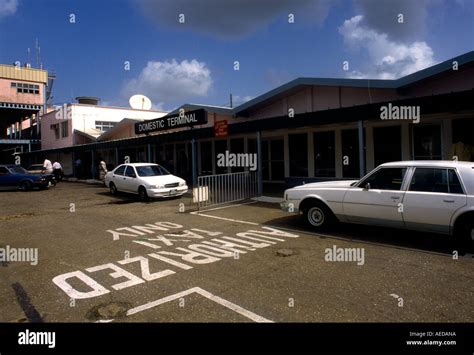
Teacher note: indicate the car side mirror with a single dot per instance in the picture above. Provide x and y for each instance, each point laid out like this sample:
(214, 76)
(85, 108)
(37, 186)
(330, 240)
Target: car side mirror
(367, 186)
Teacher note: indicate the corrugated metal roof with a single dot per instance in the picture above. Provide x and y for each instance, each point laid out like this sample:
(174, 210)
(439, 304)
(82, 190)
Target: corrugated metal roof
(21, 73)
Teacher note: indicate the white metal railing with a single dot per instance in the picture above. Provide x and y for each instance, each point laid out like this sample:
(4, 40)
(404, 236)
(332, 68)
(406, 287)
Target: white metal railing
(224, 188)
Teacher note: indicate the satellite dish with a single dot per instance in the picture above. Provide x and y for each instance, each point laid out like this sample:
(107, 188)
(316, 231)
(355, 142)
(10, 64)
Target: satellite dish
(140, 102)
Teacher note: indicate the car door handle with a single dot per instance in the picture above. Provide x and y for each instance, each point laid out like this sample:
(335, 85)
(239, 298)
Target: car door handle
(395, 197)
(448, 201)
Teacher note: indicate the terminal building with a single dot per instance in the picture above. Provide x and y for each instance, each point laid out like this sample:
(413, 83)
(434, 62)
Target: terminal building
(23, 96)
(310, 129)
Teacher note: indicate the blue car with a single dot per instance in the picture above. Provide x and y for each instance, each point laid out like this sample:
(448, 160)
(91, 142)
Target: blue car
(14, 177)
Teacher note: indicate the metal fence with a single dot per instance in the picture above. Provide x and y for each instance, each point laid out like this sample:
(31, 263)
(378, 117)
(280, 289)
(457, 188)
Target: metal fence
(225, 188)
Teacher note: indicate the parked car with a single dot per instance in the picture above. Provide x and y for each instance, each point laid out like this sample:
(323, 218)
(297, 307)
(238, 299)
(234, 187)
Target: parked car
(146, 180)
(37, 169)
(432, 196)
(13, 177)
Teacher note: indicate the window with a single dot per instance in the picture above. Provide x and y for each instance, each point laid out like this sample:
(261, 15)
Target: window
(298, 145)
(104, 125)
(24, 88)
(454, 184)
(385, 179)
(120, 170)
(64, 129)
(431, 180)
(3, 170)
(130, 172)
(151, 170)
(324, 154)
(55, 127)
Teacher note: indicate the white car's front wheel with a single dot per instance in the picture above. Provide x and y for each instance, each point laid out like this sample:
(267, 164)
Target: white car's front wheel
(142, 194)
(317, 215)
(113, 189)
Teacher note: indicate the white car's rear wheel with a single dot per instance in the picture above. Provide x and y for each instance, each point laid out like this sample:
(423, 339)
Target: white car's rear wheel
(465, 237)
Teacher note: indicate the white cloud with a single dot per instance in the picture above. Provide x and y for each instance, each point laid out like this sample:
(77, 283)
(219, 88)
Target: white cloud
(169, 81)
(389, 59)
(8, 7)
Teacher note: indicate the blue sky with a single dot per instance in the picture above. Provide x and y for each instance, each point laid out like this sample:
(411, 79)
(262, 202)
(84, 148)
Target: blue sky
(175, 63)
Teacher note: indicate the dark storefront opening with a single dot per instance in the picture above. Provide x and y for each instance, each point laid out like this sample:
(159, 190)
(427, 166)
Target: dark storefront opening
(206, 158)
(220, 147)
(387, 144)
(298, 146)
(237, 147)
(324, 154)
(427, 142)
(350, 153)
(463, 139)
(273, 164)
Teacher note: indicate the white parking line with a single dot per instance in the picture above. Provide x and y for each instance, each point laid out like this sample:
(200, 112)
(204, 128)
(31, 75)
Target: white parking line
(232, 306)
(226, 219)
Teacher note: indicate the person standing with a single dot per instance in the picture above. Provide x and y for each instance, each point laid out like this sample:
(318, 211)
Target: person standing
(102, 169)
(47, 166)
(78, 164)
(57, 171)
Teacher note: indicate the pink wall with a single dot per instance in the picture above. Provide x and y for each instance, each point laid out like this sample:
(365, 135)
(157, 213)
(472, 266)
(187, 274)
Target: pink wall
(9, 94)
(48, 138)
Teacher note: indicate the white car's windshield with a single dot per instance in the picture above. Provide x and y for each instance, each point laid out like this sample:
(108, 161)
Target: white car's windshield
(151, 170)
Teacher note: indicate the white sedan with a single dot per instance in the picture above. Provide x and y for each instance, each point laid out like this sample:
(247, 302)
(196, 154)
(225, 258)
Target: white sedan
(146, 180)
(433, 196)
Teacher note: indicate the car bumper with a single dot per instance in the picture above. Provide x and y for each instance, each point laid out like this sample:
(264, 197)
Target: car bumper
(288, 206)
(168, 192)
(41, 184)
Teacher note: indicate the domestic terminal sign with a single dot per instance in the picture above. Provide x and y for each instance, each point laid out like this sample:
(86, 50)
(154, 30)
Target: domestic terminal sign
(183, 119)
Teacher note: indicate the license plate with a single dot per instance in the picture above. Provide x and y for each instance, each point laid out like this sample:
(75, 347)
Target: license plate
(173, 192)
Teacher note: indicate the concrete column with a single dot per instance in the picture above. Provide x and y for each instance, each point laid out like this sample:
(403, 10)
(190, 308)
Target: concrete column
(193, 162)
(406, 142)
(310, 154)
(360, 127)
(259, 154)
(370, 153)
(286, 155)
(446, 138)
(94, 167)
(149, 157)
(338, 149)
(213, 150)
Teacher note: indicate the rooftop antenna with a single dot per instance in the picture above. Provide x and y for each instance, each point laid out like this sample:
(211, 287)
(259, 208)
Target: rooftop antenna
(39, 64)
